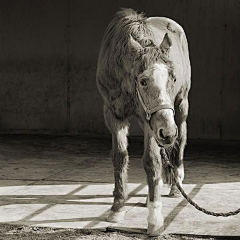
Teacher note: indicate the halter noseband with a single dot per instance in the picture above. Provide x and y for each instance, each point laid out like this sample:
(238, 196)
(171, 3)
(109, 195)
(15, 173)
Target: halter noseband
(149, 112)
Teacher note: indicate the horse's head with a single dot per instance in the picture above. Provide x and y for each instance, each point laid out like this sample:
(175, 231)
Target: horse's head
(154, 82)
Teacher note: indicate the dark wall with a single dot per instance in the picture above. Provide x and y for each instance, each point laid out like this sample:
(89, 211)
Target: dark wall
(49, 49)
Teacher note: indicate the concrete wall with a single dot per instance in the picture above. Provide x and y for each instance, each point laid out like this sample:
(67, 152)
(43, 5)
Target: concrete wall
(49, 49)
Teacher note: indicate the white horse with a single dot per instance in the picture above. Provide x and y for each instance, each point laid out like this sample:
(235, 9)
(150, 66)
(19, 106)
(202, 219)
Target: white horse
(144, 70)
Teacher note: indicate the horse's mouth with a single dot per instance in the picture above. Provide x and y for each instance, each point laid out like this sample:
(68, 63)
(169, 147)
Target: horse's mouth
(165, 143)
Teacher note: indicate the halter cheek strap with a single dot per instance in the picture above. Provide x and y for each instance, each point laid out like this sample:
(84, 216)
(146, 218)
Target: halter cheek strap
(149, 112)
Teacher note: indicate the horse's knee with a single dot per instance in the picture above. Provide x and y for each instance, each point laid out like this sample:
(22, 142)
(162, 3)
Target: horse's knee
(121, 141)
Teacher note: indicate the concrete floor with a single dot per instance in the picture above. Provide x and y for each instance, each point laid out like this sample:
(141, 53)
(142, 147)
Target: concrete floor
(68, 182)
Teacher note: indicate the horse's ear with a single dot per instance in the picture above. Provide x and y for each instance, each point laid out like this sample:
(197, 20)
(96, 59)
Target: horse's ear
(134, 45)
(166, 43)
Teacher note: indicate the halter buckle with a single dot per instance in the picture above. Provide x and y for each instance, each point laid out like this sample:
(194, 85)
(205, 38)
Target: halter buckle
(148, 116)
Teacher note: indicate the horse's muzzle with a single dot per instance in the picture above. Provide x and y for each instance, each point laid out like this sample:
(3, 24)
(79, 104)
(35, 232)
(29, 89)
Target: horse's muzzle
(166, 137)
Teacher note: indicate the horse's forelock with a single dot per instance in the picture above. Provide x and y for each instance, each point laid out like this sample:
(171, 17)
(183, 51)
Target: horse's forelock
(147, 56)
(150, 52)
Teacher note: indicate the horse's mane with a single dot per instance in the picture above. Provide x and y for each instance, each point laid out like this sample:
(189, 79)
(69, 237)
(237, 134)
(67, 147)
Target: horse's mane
(126, 23)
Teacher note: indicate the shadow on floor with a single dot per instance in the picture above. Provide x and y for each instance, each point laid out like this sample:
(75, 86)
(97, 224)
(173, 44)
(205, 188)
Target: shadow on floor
(60, 180)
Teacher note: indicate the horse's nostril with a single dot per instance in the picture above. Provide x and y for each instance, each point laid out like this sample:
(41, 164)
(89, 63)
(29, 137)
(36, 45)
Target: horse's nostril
(165, 134)
(161, 133)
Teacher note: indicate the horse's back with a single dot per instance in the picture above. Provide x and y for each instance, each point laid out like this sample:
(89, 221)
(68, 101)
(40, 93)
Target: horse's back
(164, 24)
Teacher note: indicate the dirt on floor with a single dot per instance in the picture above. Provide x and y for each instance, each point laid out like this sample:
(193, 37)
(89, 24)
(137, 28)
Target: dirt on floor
(15, 232)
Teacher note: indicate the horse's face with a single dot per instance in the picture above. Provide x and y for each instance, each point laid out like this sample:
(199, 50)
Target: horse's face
(154, 85)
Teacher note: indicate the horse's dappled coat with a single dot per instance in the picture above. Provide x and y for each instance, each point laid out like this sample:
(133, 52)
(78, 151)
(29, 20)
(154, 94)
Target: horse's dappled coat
(144, 64)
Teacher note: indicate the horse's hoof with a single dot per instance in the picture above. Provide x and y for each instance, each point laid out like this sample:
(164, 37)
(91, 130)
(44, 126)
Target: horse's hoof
(154, 230)
(116, 216)
(174, 193)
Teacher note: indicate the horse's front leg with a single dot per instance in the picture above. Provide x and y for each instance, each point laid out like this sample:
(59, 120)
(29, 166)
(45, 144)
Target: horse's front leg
(119, 130)
(153, 168)
(181, 117)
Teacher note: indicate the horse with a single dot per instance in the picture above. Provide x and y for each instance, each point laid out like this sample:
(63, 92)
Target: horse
(143, 70)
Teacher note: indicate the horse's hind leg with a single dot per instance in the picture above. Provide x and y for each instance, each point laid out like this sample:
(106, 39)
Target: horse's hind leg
(181, 117)
(119, 130)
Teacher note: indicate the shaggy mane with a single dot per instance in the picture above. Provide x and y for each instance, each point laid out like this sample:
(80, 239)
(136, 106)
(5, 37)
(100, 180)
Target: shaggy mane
(128, 23)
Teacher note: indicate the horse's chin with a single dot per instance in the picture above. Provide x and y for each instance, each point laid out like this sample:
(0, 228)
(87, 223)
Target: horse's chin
(165, 144)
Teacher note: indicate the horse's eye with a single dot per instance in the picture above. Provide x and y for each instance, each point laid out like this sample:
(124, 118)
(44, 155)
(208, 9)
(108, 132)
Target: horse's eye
(173, 76)
(143, 82)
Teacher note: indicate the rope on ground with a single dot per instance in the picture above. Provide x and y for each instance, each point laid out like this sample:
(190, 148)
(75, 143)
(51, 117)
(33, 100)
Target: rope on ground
(168, 164)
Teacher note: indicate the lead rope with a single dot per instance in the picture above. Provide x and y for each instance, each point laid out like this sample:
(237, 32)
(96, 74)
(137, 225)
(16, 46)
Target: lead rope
(169, 165)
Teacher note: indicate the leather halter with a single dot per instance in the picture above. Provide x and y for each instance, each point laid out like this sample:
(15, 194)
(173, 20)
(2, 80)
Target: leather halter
(148, 111)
